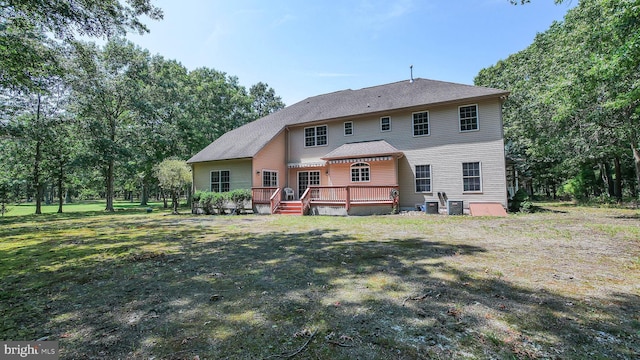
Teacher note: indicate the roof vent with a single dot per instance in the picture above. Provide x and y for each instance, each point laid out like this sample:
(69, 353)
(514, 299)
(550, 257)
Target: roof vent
(411, 68)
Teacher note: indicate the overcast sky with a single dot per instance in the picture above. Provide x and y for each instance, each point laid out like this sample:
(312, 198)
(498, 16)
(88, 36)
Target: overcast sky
(307, 48)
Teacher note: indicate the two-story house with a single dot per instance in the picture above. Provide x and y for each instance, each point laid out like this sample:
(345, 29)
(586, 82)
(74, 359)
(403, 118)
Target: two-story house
(366, 151)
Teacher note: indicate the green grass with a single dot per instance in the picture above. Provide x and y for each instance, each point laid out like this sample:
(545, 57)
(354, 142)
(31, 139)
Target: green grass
(137, 285)
(77, 207)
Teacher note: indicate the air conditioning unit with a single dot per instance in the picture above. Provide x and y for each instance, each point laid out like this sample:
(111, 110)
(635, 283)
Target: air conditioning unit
(455, 207)
(431, 207)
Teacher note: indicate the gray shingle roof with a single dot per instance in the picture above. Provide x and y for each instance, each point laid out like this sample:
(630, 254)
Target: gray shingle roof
(362, 149)
(247, 140)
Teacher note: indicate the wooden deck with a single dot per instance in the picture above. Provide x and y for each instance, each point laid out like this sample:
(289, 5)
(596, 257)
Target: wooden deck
(344, 196)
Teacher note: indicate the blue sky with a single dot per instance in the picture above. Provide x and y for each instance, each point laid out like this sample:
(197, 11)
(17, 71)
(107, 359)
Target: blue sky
(307, 48)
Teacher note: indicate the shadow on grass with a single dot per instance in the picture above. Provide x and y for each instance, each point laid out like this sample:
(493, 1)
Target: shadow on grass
(158, 288)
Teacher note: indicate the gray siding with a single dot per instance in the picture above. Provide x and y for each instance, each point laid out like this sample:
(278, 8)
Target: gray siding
(445, 149)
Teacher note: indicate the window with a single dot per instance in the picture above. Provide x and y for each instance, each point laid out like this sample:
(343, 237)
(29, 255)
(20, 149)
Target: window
(220, 181)
(315, 136)
(423, 178)
(471, 178)
(421, 123)
(360, 172)
(269, 178)
(385, 123)
(468, 117)
(348, 128)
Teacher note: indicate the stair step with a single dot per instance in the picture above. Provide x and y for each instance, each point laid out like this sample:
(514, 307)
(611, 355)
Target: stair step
(289, 208)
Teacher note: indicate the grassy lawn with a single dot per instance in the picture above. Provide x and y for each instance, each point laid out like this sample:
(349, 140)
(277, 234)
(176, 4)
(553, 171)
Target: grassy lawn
(83, 206)
(564, 283)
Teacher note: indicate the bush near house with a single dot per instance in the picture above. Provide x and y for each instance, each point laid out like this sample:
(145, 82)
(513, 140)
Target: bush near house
(216, 203)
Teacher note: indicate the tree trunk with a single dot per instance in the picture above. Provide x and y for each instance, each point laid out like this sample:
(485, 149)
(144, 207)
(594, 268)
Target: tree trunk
(636, 161)
(174, 201)
(144, 197)
(60, 192)
(618, 180)
(36, 165)
(110, 181)
(110, 175)
(606, 174)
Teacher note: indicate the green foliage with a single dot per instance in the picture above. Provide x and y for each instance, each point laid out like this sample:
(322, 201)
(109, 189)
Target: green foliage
(574, 95)
(213, 202)
(197, 196)
(172, 174)
(518, 199)
(264, 100)
(239, 197)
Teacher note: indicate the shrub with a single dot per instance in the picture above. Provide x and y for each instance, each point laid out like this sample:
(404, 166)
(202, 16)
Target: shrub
(238, 197)
(527, 207)
(518, 198)
(198, 195)
(218, 200)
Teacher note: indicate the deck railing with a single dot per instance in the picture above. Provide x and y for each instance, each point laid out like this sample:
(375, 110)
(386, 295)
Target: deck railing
(305, 199)
(262, 195)
(354, 194)
(338, 195)
(275, 200)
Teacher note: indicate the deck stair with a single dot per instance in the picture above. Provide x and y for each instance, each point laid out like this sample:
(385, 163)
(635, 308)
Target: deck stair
(289, 208)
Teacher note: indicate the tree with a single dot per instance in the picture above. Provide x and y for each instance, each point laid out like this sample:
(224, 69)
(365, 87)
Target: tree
(217, 104)
(575, 94)
(173, 176)
(33, 119)
(106, 86)
(23, 24)
(161, 110)
(264, 100)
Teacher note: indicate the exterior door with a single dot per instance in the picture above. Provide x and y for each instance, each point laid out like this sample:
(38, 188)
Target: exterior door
(306, 179)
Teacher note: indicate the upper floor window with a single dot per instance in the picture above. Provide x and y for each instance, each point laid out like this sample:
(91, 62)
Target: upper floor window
(315, 136)
(385, 123)
(423, 178)
(269, 178)
(360, 172)
(471, 177)
(220, 181)
(348, 128)
(468, 117)
(421, 123)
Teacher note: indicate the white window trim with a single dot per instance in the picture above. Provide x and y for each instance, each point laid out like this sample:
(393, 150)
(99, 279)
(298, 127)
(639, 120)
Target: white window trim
(304, 135)
(430, 178)
(477, 118)
(360, 174)
(385, 117)
(219, 171)
(273, 171)
(345, 129)
(428, 123)
(462, 177)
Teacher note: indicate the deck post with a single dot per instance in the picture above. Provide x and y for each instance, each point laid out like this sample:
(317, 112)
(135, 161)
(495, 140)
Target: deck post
(348, 198)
